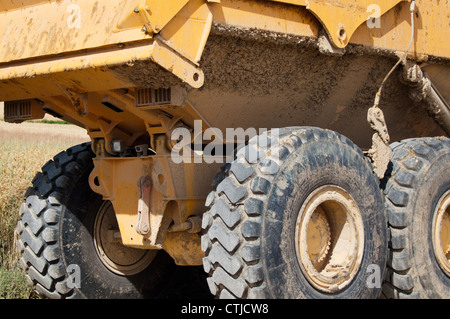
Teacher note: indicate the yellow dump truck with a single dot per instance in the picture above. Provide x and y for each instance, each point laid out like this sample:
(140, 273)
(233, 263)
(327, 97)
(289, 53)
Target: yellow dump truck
(288, 148)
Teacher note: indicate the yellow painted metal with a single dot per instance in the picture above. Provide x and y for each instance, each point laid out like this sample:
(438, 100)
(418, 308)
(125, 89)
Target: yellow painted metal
(116, 179)
(152, 14)
(329, 238)
(173, 199)
(13, 5)
(184, 248)
(393, 33)
(441, 232)
(56, 27)
(188, 31)
(91, 35)
(432, 28)
(94, 73)
(266, 16)
(158, 13)
(341, 18)
(177, 64)
(112, 40)
(183, 27)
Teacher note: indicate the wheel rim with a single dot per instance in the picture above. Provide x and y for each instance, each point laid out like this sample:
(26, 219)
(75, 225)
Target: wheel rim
(119, 259)
(441, 233)
(329, 238)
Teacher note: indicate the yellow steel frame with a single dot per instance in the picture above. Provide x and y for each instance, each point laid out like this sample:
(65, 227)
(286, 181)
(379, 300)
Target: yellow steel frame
(173, 199)
(341, 18)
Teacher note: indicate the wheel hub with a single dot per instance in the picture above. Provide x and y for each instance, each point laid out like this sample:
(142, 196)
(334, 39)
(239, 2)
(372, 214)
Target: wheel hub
(318, 237)
(329, 238)
(118, 258)
(441, 233)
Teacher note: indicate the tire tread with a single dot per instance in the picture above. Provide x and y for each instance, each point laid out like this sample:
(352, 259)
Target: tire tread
(410, 159)
(246, 182)
(37, 229)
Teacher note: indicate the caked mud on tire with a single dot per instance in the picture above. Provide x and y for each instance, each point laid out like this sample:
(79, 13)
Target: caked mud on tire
(275, 221)
(57, 233)
(417, 189)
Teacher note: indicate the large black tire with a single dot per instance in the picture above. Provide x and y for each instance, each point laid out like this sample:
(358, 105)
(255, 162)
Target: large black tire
(56, 240)
(416, 183)
(251, 229)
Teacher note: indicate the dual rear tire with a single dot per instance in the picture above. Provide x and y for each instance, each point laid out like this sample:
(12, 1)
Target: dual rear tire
(302, 215)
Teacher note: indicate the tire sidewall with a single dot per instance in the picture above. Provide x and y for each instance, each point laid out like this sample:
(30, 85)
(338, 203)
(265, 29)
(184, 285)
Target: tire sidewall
(310, 167)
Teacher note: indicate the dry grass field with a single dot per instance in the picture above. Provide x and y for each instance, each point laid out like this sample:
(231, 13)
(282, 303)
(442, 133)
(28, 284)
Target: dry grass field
(24, 149)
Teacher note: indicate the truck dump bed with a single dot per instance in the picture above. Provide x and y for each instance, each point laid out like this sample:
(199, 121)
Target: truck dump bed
(292, 61)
